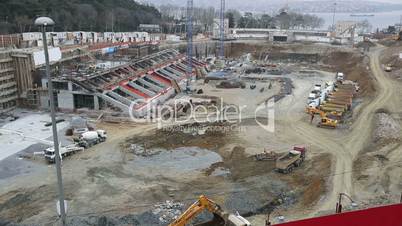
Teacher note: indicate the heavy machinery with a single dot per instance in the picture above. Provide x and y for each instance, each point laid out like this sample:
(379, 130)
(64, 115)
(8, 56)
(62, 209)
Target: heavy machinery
(50, 155)
(327, 122)
(331, 114)
(327, 119)
(388, 68)
(90, 138)
(266, 156)
(294, 158)
(220, 216)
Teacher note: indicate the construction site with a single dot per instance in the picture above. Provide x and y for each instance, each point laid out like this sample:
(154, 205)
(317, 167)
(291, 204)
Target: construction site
(205, 132)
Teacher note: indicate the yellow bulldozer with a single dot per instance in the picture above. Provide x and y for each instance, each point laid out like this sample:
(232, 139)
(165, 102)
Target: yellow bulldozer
(220, 217)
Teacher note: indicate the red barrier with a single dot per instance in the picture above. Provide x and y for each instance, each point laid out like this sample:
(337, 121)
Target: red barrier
(378, 216)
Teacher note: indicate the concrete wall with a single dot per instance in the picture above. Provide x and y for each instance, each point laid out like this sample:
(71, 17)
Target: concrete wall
(65, 100)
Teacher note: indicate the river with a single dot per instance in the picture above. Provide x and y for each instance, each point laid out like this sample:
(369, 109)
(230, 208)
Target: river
(379, 20)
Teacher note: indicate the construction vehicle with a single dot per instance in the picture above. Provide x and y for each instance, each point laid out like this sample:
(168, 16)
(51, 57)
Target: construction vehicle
(266, 156)
(317, 88)
(331, 114)
(332, 110)
(328, 123)
(312, 96)
(50, 155)
(341, 107)
(90, 138)
(347, 105)
(294, 158)
(388, 68)
(220, 216)
(339, 76)
(327, 119)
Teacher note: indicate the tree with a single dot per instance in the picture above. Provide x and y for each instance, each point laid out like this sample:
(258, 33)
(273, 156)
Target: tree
(236, 16)
(231, 19)
(283, 20)
(86, 15)
(266, 21)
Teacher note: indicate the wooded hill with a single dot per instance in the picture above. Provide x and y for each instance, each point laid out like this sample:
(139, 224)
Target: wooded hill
(76, 15)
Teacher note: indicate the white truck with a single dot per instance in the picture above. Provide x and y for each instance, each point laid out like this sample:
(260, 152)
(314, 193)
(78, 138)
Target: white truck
(339, 76)
(50, 155)
(317, 88)
(329, 86)
(315, 103)
(90, 138)
(312, 96)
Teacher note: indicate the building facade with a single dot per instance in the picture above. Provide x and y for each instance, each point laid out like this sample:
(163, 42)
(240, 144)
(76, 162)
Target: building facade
(8, 85)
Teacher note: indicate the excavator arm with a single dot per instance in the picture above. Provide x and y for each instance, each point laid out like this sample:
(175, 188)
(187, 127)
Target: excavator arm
(220, 216)
(196, 208)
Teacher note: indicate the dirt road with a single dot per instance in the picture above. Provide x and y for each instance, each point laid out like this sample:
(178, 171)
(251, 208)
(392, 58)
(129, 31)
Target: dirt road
(343, 144)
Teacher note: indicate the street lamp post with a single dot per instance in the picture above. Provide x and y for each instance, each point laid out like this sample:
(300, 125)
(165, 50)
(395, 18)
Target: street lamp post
(43, 22)
(339, 203)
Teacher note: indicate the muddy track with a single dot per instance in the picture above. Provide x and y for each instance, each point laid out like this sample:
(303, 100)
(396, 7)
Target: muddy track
(344, 145)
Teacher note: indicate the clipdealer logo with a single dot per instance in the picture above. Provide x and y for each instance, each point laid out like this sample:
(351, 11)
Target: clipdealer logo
(184, 111)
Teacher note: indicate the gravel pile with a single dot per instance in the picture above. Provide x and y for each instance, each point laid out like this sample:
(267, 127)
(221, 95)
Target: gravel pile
(386, 129)
(140, 150)
(168, 211)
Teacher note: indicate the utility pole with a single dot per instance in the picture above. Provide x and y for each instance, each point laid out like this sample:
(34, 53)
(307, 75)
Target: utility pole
(112, 20)
(222, 30)
(189, 42)
(43, 22)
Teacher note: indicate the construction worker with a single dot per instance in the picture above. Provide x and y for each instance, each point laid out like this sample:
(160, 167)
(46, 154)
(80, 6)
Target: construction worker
(312, 117)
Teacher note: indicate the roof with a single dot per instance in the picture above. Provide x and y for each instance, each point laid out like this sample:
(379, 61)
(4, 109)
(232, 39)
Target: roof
(378, 216)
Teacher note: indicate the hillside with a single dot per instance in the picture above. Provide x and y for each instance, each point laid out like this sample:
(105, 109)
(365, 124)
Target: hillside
(85, 15)
(306, 6)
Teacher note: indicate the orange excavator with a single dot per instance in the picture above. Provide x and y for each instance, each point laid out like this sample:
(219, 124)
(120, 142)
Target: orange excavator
(331, 114)
(220, 217)
(327, 119)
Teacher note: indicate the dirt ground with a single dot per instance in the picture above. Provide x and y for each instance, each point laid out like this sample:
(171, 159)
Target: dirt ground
(111, 184)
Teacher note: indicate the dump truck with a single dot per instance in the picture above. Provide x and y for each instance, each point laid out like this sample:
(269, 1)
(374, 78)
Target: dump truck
(346, 102)
(342, 107)
(294, 158)
(332, 109)
(388, 68)
(50, 155)
(340, 95)
(90, 138)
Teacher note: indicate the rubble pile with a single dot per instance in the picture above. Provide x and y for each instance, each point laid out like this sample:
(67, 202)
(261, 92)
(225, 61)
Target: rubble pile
(168, 211)
(386, 129)
(231, 84)
(140, 150)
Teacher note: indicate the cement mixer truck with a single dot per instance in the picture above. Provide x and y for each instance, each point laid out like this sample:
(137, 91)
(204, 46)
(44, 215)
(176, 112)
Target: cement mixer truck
(91, 138)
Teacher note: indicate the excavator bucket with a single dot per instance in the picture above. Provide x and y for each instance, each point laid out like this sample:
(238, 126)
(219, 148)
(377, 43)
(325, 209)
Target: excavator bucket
(216, 221)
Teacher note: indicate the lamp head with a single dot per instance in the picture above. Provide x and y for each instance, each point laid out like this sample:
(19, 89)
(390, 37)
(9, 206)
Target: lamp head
(44, 21)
